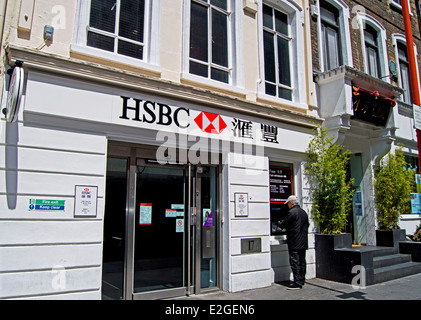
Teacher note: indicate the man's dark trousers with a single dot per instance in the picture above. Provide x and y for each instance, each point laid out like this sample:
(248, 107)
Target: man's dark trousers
(297, 260)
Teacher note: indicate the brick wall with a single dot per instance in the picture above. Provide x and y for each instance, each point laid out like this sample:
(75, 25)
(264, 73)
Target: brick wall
(387, 15)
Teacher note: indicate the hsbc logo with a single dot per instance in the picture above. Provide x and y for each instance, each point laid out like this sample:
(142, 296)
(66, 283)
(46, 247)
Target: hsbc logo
(210, 122)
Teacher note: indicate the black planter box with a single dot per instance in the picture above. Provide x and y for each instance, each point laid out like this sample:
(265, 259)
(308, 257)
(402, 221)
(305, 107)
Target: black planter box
(335, 258)
(390, 238)
(411, 247)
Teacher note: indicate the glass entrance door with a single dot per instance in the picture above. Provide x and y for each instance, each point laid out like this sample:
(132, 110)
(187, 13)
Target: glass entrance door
(161, 228)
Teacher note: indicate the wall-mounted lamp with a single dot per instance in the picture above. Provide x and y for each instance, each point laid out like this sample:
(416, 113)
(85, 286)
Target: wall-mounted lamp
(48, 33)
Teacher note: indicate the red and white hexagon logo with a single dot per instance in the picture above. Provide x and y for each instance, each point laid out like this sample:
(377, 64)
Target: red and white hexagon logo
(210, 122)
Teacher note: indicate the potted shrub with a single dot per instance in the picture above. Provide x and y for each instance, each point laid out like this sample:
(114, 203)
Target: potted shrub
(331, 197)
(392, 186)
(330, 191)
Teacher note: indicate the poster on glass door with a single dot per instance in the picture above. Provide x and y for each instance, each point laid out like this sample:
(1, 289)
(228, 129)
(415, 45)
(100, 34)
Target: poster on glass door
(145, 214)
(207, 218)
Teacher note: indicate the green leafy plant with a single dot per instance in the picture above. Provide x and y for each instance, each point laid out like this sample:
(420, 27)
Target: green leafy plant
(417, 234)
(330, 190)
(392, 186)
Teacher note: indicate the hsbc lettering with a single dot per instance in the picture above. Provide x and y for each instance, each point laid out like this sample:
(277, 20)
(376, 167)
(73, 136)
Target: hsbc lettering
(154, 112)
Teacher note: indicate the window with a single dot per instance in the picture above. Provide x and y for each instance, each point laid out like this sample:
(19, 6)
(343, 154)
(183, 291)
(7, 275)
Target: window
(404, 76)
(373, 40)
(402, 64)
(119, 30)
(281, 53)
(117, 26)
(332, 52)
(397, 4)
(209, 39)
(372, 52)
(277, 51)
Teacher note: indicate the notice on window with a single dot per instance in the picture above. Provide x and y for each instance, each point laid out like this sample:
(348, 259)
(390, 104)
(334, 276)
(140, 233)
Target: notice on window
(86, 201)
(207, 218)
(416, 202)
(145, 214)
(170, 213)
(179, 225)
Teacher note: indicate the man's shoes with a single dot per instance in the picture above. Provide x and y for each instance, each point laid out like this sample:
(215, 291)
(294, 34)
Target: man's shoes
(294, 286)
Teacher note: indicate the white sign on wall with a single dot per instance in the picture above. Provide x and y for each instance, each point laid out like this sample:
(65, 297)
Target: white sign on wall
(241, 205)
(86, 201)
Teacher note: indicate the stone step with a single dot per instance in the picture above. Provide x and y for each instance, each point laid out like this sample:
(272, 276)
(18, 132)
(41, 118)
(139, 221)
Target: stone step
(389, 260)
(396, 271)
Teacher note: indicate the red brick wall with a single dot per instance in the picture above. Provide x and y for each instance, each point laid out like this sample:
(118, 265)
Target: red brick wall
(387, 15)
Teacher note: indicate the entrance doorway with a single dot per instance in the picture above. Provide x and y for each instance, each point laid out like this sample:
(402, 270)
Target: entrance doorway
(161, 227)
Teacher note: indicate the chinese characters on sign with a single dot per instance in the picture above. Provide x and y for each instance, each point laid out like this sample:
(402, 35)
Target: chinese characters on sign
(269, 133)
(86, 201)
(241, 205)
(244, 129)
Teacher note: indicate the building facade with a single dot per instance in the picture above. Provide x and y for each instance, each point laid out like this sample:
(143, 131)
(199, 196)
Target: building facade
(363, 84)
(149, 146)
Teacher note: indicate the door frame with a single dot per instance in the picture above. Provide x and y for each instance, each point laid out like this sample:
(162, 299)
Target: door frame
(136, 155)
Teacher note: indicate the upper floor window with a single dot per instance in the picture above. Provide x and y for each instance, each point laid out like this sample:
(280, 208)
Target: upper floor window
(277, 52)
(212, 44)
(372, 52)
(332, 51)
(401, 55)
(118, 30)
(117, 26)
(373, 38)
(333, 34)
(281, 52)
(209, 38)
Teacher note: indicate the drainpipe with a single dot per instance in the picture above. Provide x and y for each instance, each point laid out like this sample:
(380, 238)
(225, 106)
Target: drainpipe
(3, 5)
(412, 67)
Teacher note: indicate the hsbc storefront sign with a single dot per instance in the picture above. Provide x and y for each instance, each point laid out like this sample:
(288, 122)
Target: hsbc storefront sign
(180, 120)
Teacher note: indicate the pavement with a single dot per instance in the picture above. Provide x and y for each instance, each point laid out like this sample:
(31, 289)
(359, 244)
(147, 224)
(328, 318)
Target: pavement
(407, 288)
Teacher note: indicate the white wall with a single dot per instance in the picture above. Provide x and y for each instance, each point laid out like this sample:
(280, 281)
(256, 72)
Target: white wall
(247, 174)
(49, 255)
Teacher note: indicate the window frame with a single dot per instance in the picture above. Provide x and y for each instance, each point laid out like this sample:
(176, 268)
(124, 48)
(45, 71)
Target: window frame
(400, 38)
(276, 36)
(364, 19)
(372, 46)
(235, 50)
(297, 60)
(151, 38)
(344, 34)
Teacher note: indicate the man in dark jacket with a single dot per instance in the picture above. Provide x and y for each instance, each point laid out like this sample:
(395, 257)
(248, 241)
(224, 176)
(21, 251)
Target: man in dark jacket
(296, 225)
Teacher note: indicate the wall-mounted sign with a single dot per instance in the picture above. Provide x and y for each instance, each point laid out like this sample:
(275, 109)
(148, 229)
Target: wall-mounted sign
(15, 94)
(241, 204)
(46, 205)
(86, 201)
